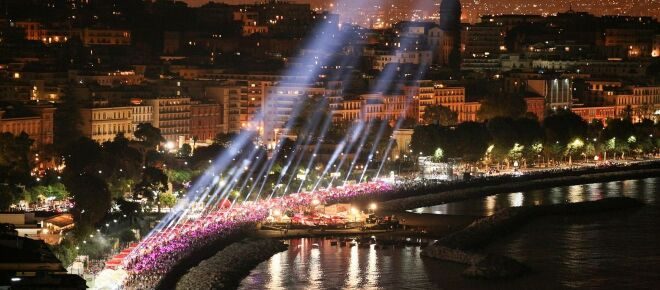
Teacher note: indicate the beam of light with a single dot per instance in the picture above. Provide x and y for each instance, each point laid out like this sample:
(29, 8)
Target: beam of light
(383, 84)
(222, 161)
(342, 150)
(332, 160)
(204, 189)
(345, 77)
(310, 163)
(299, 154)
(400, 120)
(346, 61)
(327, 36)
(308, 133)
(363, 139)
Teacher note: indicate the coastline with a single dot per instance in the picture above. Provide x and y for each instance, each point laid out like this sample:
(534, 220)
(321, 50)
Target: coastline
(441, 225)
(193, 259)
(431, 199)
(227, 268)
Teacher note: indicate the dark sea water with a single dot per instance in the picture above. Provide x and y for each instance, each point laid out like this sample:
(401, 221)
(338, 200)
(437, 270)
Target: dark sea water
(613, 250)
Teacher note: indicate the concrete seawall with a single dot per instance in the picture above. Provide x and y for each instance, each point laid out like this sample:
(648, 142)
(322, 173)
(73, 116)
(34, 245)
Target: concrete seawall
(227, 268)
(458, 247)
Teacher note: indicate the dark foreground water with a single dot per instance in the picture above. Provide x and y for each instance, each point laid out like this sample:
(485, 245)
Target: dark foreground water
(614, 250)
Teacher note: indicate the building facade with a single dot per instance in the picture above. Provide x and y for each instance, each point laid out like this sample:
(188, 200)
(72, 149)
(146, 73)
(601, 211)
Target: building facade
(172, 116)
(206, 121)
(142, 114)
(38, 126)
(103, 124)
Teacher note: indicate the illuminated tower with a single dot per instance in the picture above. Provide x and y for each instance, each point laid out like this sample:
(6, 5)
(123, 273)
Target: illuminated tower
(450, 24)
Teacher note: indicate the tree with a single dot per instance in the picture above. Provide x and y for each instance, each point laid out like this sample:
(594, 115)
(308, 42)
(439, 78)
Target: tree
(92, 197)
(408, 123)
(647, 133)
(57, 191)
(127, 236)
(472, 140)
(560, 129)
(497, 105)
(152, 185)
(15, 161)
(8, 195)
(149, 135)
(130, 209)
(121, 165)
(618, 133)
(168, 200)
(224, 139)
(154, 158)
(504, 137)
(438, 154)
(440, 115)
(425, 139)
(202, 155)
(595, 129)
(65, 252)
(84, 155)
(286, 148)
(185, 150)
(627, 112)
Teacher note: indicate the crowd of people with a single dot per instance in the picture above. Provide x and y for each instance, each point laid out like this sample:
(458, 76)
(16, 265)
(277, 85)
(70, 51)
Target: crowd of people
(163, 248)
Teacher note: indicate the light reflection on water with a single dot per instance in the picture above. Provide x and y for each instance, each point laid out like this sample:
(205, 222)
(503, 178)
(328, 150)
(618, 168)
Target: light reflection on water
(644, 189)
(614, 250)
(354, 269)
(335, 267)
(516, 199)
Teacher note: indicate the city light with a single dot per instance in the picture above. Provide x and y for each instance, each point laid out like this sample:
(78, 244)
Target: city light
(282, 119)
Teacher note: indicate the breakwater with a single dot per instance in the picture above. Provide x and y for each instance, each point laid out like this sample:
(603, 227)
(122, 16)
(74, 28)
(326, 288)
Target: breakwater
(227, 268)
(461, 246)
(445, 193)
(171, 277)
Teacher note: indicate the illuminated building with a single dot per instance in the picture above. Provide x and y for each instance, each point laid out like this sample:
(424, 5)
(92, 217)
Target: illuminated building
(401, 57)
(595, 113)
(643, 101)
(38, 125)
(536, 106)
(103, 36)
(102, 124)
(206, 121)
(113, 78)
(39, 32)
(482, 40)
(142, 114)
(172, 116)
(558, 92)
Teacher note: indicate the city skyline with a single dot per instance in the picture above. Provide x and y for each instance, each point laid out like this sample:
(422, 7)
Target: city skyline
(155, 145)
(474, 8)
